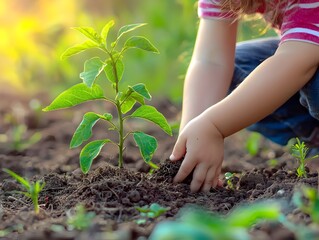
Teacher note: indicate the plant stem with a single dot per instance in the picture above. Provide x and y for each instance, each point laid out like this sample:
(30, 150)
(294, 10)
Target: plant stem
(119, 113)
(121, 134)
(36, 204)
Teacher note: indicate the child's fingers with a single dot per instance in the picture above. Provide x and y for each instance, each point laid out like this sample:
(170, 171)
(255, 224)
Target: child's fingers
(179, 149)
(199, 176)
(185, 169)
(209, 181)
(212, 179)
(218, 182)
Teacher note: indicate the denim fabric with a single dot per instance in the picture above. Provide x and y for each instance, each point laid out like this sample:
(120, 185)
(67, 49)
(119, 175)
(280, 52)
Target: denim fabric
(299, 116)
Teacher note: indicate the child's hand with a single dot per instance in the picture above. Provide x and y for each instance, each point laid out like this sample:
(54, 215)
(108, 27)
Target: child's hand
(202, 146)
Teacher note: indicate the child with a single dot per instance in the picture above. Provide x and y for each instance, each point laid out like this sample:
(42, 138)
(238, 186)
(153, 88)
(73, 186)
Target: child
(272, 85)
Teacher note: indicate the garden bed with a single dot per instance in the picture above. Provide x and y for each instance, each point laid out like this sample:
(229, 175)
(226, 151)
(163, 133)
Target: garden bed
(113, 194)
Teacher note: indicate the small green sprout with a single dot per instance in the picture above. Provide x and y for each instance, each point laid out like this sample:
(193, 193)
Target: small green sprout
(16, 138)
(229, 177)
(153, 211)
(7, 231)
(19, 141)
(196, 223)
(124, 99)
(81, 219)
(253, 143)
(32, 189)
(272, 162)
(307, 200)
(299, 151)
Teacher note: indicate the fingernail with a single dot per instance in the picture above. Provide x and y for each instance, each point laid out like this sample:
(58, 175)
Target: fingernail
(172, 158)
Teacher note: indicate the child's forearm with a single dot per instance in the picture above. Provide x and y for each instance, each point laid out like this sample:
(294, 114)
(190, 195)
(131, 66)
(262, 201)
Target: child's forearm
(209, 74)
(205, 85)
(267, 88)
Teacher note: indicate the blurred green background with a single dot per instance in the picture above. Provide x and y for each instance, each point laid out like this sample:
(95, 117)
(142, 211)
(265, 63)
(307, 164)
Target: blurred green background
(34, 33)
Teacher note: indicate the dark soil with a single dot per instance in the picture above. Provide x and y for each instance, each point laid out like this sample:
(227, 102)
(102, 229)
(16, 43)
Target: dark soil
(113, 194)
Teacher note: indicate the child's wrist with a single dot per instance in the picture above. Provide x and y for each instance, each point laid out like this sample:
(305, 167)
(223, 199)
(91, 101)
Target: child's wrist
(214, 125)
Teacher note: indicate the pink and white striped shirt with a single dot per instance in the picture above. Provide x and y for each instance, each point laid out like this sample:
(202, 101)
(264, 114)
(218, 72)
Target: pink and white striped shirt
(298, 19)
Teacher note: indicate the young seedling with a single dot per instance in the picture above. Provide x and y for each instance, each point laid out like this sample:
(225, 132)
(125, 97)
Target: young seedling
(7, 231)
(153, 211)
(124, 99)
(17, 137)
(19, 142)
(299, 151)
(307, 200)
(272, 162)
(81, 219)
(253, 143)
(229, 177)
(32, 189)
(195, 223)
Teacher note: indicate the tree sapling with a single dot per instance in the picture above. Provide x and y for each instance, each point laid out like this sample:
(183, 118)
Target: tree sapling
(123, 101)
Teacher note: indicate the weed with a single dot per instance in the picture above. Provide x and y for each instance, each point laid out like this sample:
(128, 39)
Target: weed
(32, 189)
(124, 100)
(81, 219)
(299, 150)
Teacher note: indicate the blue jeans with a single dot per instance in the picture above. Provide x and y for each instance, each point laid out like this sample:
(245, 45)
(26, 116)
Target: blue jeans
(299, 116)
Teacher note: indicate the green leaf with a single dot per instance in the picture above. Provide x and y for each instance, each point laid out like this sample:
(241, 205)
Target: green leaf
(253, 143)
(129, 99)
(141, 43)
(107, 116)
(129, 28)
(109, 72)
(75, 95)
(78, 48)
(141, 89)
(127, 105)
(90, 152)
(147, 145)
(90, 33)
(138, 98)
(150, 113)
(38, 186)
(20, 179)
(92, 69)
(105, 30)
(158, 210)
(228, 175)
(246, 216)
(84, 130)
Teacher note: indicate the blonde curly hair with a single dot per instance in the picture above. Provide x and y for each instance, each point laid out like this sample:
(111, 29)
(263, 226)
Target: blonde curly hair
(243, 7)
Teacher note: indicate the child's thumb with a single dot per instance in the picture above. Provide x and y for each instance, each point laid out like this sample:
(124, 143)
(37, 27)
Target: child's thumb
(179, 150)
